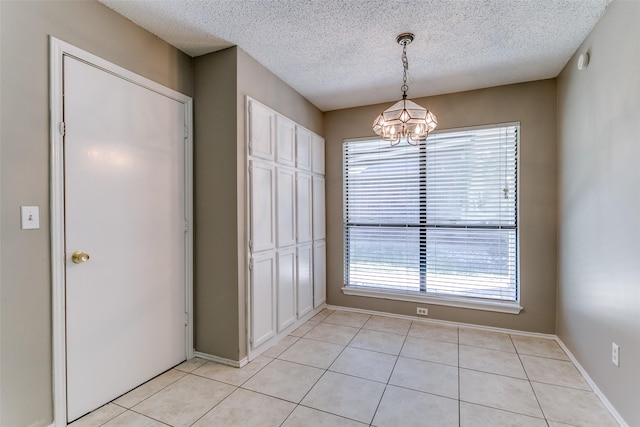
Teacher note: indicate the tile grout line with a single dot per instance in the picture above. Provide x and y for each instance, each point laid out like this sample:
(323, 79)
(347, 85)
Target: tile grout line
(345, 347)
(390, 375)
(147, 416)
(529, 381)
(502, 375)
(510, 411)
(146, 398)
(397, 356)
(110, 419)
(327, 369)
(222, 400)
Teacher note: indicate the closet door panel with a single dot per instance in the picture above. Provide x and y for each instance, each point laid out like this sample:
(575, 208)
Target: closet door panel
(262, 206)
(285, 141)
(319, 273)
(317, 154)
(286, 206)
(305, 279)
(303, 149)
(304, 207)
(261, 131)
(319, 229)
(286, 285)
(262, 279)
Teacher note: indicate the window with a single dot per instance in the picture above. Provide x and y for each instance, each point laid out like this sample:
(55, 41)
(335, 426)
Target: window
(437, 220)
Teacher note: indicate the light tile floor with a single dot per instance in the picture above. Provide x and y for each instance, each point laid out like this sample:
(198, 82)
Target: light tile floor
(352, 369)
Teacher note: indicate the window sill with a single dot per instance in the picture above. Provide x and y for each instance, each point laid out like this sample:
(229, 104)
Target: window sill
(500, 307)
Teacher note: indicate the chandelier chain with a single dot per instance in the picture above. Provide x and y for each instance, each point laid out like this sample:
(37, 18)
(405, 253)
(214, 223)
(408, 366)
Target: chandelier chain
(405, 66)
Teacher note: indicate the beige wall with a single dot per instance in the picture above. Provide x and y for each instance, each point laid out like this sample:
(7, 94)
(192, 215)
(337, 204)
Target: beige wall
(25, 303)
(215, 278)
(599, 207)
(534, 106)
(224, 79)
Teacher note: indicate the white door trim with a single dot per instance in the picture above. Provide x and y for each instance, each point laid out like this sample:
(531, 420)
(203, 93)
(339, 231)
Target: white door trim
(58, 49)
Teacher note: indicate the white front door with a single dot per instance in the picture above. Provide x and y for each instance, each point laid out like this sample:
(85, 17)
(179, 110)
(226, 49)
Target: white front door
(124, 189)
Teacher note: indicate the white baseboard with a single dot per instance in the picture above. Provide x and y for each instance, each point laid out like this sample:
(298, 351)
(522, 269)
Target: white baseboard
(594, 387)
(222, 360)
(444, 322)
(612, 410)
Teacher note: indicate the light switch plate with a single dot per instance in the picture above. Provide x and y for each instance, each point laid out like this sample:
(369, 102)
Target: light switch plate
(30, 217)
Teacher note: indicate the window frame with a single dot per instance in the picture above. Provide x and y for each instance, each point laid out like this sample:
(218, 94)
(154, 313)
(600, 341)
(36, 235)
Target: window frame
(422, 296)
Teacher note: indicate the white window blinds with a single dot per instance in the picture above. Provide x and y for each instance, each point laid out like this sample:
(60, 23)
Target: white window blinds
(439, 218)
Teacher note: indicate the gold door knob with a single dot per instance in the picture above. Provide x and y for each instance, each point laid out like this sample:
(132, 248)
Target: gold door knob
(79, 257)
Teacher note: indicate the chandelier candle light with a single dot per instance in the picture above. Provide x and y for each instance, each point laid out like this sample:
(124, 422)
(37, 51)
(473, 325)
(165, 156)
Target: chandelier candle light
(405, 120)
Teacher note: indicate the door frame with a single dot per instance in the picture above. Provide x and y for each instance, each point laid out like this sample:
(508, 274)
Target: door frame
(57, 50)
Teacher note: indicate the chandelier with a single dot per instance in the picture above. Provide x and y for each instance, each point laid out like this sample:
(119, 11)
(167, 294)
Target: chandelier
(405, 120)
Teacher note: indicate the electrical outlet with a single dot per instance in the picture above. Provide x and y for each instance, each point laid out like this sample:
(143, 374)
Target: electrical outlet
(422, 311)
(615, 354)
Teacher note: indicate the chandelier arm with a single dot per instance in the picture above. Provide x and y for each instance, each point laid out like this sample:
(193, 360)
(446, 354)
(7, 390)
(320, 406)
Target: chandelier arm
(415, 140)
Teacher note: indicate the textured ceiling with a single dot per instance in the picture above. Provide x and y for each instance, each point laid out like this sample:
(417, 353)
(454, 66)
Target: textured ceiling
(343, 53)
